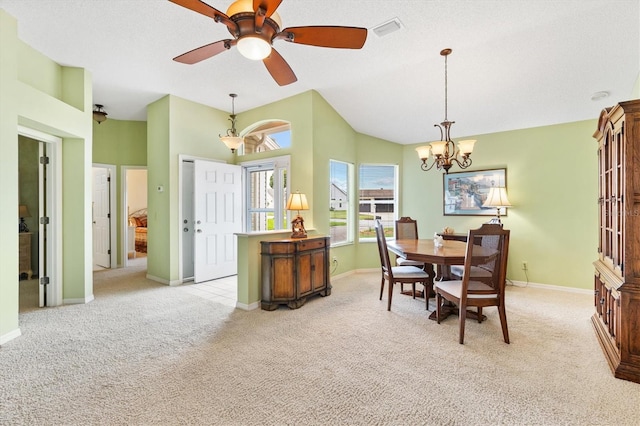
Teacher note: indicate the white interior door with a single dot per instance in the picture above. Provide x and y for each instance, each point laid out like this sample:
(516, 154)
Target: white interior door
(218, 216)
(101, 218)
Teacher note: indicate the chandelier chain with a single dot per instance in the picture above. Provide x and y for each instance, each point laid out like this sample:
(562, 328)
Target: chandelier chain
(445, 89)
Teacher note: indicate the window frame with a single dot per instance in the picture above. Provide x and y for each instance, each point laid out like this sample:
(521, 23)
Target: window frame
(280, 214)
(394, 203)
(350, 184)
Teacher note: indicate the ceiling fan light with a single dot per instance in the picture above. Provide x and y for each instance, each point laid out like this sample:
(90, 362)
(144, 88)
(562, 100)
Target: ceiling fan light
(246, 6)
(240, 6)
(253, 47)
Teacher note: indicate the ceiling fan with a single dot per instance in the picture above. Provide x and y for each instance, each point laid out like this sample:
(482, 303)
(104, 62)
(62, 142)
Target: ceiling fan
(255, 24)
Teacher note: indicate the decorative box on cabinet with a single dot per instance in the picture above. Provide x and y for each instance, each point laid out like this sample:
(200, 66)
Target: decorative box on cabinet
(25, 255)
(293, 270)
(617, 270)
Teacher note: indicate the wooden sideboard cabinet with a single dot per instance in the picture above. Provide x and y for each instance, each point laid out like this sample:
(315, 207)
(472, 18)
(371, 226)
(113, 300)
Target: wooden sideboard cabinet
(24, 252)
(617, 270)
(293, 270)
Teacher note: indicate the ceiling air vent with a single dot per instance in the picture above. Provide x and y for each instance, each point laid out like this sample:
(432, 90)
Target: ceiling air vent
(388, 27)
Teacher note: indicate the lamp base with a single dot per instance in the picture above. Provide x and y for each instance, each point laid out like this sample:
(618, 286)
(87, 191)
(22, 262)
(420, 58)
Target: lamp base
(496, 220)
(297, 226)
(22, 226)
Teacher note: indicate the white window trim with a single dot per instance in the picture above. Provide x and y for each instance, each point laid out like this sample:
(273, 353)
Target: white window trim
(396, 189)
(277, 164)
(352, 207)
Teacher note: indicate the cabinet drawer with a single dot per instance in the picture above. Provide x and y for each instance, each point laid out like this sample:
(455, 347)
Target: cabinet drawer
(315, 243)
(277, 248)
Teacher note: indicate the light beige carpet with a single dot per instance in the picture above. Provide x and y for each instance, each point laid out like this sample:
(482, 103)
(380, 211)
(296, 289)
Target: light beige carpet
(148, 354)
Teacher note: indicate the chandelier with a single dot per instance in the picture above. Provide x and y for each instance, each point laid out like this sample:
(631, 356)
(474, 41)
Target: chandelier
(444, 151)
(99, 114)
(231, 139)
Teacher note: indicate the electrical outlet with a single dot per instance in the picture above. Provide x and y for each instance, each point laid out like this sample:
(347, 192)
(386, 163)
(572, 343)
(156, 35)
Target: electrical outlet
(525, 265)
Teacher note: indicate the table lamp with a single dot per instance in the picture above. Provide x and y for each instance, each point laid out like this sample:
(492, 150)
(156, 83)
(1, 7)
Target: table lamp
(298, 201)
(23, 212)
(497, 198)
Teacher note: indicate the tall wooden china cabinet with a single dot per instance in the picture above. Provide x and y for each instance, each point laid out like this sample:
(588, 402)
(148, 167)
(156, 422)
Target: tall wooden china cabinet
(617, 270)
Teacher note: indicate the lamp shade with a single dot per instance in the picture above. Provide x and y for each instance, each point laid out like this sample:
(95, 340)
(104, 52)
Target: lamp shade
(497, 198)
(423, 151)
(297, 201)
(437, 148)
(466, 146)
(23, 211)
(232, 142)
(99, 114)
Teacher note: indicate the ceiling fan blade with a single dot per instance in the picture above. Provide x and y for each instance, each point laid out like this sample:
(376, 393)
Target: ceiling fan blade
(269, 6)
(279, 69)
(264, 9)
(206, 10)
(326, 36)
(205, 52)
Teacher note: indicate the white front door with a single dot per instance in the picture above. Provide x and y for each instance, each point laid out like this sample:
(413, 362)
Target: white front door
(218, 216)
(101, 217)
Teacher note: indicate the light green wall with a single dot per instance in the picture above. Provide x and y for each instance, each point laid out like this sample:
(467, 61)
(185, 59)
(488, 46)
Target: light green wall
(378, 151)
(318, 135)
(8, 178)
(40, 73)
(120, 143)
(39, 94)
(297, 110)
(333, 139)
(175, 127)
(552, 184)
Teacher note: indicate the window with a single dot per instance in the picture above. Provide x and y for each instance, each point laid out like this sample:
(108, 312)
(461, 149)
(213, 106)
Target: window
(378, 189)
(340, 210)
(267, 136)
(266, 192)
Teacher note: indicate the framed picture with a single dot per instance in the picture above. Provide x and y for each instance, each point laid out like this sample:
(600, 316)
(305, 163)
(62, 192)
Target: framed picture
(465, 192)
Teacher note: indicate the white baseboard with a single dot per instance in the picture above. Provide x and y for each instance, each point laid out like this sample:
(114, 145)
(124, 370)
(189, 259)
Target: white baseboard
(551, 287)
(10, 336)
(78, 301)
(249, 307)
(163, 281)
(513, 282)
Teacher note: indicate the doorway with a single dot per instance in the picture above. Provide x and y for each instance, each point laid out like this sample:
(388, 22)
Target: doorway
(210, 216)
(134, 232)
(103, 222)
(40, 189)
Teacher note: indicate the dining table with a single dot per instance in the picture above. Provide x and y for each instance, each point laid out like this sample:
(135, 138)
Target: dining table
(451, 252)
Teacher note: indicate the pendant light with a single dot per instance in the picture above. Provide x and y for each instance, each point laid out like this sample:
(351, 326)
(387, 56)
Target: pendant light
(231, 139)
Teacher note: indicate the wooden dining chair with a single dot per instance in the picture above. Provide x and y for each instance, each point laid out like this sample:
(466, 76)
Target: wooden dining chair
(407, 229)
(396, 274)
(483, 277)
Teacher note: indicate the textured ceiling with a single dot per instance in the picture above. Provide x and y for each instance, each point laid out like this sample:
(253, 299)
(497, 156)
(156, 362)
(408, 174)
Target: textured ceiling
(515, 64)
